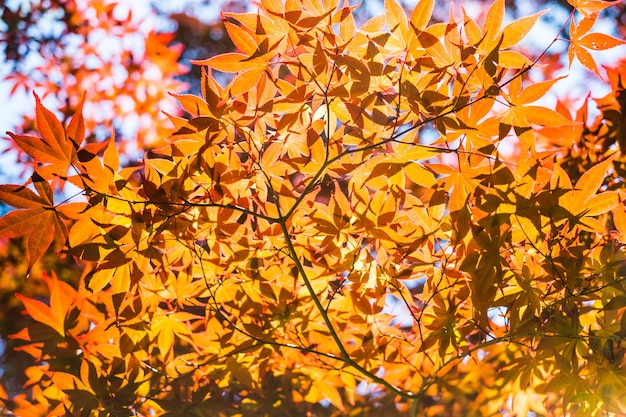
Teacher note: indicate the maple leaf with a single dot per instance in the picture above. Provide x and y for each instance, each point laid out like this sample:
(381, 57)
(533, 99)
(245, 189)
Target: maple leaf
(256, 54)
(585, 201)
(97, 175)
(582, 41)
(520, 115)
(36, 218)
(61, 298)
(495, 37)
(54, 151)
(591, 7)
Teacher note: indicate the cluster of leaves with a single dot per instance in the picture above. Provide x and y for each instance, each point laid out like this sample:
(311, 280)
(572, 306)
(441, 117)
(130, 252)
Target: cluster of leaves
(65, 48)
(300, 246)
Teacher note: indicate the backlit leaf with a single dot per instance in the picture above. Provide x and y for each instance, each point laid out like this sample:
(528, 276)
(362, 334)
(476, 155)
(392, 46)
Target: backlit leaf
(599, 41)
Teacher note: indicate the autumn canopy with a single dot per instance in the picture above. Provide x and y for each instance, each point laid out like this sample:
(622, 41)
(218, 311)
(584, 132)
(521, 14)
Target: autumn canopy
(391, 218)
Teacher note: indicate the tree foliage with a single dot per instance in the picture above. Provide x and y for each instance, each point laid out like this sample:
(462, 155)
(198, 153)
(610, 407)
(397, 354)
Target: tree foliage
(56, 47)
(384, 219)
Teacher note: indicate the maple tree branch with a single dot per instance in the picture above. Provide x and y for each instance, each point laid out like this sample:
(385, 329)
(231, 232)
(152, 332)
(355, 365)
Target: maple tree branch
(394, 138)
(293, 254)
(511, 337)
(455, 108)
(251, 336)
(345, 356)
(187, 203)
(408, 307)
(171, 380)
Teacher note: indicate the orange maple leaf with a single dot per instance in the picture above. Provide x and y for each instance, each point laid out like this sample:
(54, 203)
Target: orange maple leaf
(582, 41)
(521, 115)
(37, 218)
(54, 151)
(61, 296)
(589, 7)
